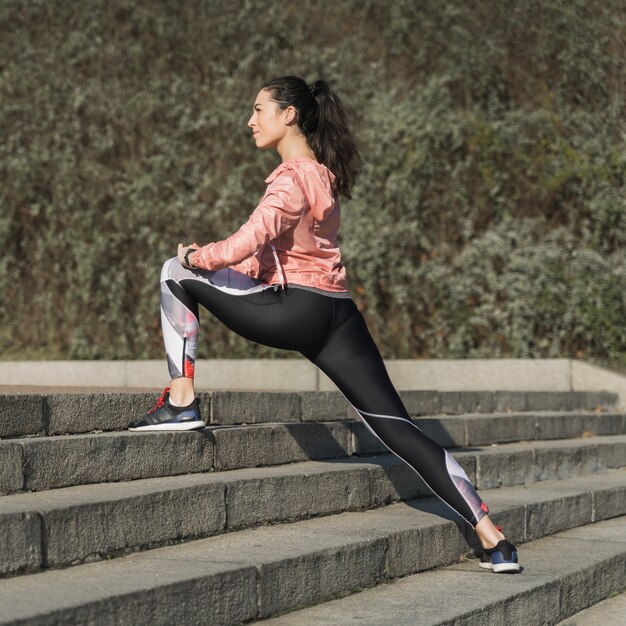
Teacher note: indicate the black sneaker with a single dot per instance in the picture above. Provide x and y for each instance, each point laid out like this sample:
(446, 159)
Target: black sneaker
(165, 416)
(502, 558)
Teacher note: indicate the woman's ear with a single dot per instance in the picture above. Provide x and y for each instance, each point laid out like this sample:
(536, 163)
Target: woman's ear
(290, 115)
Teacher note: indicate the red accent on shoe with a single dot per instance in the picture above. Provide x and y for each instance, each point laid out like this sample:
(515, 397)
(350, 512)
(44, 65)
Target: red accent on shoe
(483, 506)
(160, 401)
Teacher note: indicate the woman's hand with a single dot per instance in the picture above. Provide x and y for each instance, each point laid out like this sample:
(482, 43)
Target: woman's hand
(182, 250)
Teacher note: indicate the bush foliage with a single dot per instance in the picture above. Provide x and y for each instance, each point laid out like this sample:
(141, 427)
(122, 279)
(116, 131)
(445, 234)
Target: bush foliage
(489, 219)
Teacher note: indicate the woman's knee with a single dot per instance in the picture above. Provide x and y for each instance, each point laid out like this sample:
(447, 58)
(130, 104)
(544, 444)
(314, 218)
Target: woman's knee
(168, 267)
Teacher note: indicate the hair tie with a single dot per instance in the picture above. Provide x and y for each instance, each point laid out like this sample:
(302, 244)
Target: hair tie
(314, 88)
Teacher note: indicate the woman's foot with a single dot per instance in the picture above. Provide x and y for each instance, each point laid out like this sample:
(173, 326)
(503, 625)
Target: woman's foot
(501, 559)
(166, 416)
(499, 554)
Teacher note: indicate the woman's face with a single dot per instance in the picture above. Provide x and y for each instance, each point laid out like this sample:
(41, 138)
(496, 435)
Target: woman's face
(269, 123)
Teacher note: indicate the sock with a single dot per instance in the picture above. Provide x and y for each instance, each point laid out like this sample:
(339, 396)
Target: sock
(503, 546)
(179, 406)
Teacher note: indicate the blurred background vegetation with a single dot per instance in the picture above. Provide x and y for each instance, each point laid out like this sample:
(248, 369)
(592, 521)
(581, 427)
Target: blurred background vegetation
(489, 219)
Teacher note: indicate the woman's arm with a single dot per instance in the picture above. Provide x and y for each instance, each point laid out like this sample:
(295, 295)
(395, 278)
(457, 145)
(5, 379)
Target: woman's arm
(279, 209)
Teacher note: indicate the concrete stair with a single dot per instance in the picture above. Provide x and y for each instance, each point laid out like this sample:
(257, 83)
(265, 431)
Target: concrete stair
(563, 574)
(286, 501)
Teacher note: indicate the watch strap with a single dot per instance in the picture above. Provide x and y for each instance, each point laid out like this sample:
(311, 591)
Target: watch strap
(186, 257)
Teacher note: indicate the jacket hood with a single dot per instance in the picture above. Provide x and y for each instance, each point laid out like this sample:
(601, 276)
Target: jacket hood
(316, 181)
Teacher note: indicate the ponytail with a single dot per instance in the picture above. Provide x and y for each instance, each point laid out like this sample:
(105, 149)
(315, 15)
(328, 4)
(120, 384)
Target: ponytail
(324, 122)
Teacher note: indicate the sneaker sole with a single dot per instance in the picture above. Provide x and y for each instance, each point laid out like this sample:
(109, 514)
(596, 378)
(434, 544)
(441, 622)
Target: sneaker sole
(501, 568)
(191, 425)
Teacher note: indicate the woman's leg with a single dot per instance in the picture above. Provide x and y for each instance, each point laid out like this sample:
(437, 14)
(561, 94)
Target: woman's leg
(292, 320)
(352, 361)
(180, 326)
(332, 333)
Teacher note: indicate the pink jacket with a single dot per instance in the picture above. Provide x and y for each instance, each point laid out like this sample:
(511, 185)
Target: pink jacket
(291, 237)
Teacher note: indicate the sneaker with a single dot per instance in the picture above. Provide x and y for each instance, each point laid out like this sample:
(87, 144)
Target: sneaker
(165, 416)
(502, 558)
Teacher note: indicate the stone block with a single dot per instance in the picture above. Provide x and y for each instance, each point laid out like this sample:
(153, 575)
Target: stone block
(548, 516)
(445, 431)
(502, 428)
(609, 533)
(459, 402)
(559, 425)
(608, 611)
(509, 401)
(21, 414)
(80, 459)
(294, 493)
(11, 467)
(20, 542)
(323, 406)
(274, 444)
(67, 413)
(612, 453)
(593, 400)
(140, 589)
(604, 424)
(608, 503)
(504, 468)
(549, 401)
(315, 576)
(562, 460)
(421, 402)
(486, 600)
(569, 425)
(240, 407)
(447, 597)
(602, 571)
(448, 432)
(534, 602)
(423, 547)
(227, 598)
(105, 526)
(392, 480)
(584, 588)
(364, 442)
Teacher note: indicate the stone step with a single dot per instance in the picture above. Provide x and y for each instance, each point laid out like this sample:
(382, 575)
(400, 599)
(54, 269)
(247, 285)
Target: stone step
(66, 525)
(562, 574)
(38, 463)
(609, 612)
(50, 413)
(472, 429)
(261, 572)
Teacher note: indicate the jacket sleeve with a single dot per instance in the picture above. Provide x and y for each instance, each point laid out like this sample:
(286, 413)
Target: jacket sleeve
(279, 209)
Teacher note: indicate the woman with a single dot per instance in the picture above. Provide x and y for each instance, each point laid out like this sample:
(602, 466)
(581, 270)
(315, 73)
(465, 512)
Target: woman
(279, 281)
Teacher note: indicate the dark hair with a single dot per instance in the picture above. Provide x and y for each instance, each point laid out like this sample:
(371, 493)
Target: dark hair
(324, 122)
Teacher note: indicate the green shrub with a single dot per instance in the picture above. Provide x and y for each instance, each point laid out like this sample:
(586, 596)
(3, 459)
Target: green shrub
(489, 218)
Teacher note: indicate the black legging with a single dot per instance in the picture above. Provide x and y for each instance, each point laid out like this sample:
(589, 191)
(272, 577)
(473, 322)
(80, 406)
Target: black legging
(329, 331)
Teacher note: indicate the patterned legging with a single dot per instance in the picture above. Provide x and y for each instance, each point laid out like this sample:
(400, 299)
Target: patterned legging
(327, 329)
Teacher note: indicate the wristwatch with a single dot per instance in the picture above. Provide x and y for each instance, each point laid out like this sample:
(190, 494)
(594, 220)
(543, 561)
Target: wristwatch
(188, 263)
